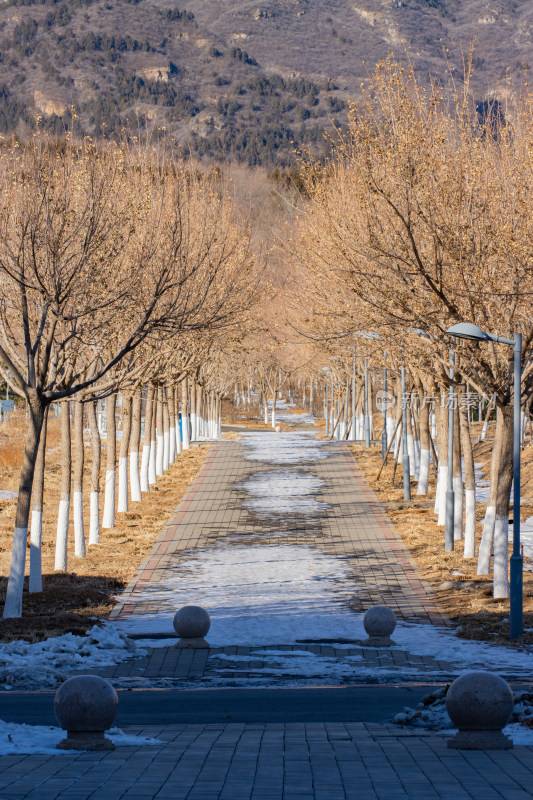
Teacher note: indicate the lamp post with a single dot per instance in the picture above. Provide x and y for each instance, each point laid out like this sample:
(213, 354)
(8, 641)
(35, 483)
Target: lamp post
(450, 496)
(405, 452)
(466, 330)
(367, 410)
(384, 431)
(353, 430)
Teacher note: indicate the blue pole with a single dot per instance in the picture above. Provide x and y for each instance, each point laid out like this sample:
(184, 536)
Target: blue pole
(516, 590)
(405, 459)
(367, 410)
(384, 432)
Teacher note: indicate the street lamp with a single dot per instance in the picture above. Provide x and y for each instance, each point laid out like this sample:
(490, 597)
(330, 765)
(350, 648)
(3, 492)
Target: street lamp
(466, 330)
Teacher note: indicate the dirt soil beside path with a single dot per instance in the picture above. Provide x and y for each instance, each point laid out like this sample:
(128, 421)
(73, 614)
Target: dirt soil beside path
(464, 597)
(76, 600)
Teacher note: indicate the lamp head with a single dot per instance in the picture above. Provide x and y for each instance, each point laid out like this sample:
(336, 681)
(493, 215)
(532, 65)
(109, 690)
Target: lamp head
(467, 330)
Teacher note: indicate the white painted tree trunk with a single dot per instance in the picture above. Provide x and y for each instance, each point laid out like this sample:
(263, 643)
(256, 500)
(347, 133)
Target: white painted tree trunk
(470, 523)
(61, 555)
(160, 439)
(94, 524)
(61, 559)
(487, 538)
(411, 453)
(443, 488)
(172, 445)
(94, 498)
(13, 604)
(122, 504)
(145, 461)
(458, 508)
(501, 558)
(79, 531)
(108, 518)
(185, 430)
(36, 537)
(152, 471)
(135, 443)
(391, 425)
(423, 474)
(166, 450)
(135, 481)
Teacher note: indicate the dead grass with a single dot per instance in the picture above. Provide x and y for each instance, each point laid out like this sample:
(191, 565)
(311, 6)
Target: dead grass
(468, 602)
(72, 601)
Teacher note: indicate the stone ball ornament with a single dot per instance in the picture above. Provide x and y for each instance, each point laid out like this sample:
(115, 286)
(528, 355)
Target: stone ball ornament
(480, 704)
(86, 706)
(192, 623)
(379, 623)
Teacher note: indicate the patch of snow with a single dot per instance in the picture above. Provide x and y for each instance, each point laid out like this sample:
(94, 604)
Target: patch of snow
(255, 595)
(280, 492)
(18, 739)
(444, 645)
(431, 713)
(46, 664)
(284, 448)
(5, 494)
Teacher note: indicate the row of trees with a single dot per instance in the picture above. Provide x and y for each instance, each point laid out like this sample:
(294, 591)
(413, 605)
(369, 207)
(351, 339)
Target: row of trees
(119, 267)
(421, 219)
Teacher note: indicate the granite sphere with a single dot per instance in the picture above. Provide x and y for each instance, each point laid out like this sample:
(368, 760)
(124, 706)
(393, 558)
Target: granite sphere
(191, 622)
(480, 700)
(379, 621)
(86, 703)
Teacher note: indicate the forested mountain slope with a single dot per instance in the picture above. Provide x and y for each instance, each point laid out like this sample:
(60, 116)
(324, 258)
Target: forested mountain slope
(235, 79)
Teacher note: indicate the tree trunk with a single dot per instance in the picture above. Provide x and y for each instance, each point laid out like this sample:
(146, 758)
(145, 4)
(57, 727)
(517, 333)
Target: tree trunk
(152, 470)
(503, 492)
(487, 537)
(184, 416)
(77, 498)
(36, 573)
(274, 398)
(485, 428)
(470, 485)
(423, 472)
(108, 520)
(135, 445)
(166, 429)
(15, 586)
(199, 411)
(148, 412)
(160, 439)
(127, 403)
(94, 524)
(61, 560)
(171, 402)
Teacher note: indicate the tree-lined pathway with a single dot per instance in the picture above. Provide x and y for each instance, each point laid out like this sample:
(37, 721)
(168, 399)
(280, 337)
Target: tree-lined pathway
(339, 518)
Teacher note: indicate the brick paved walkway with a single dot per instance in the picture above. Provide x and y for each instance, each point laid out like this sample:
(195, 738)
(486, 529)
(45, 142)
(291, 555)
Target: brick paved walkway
(313, 761)
(354, 528)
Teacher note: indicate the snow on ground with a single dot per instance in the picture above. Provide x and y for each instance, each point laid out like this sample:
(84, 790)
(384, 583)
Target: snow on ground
(280, 492)
(287, 448)
(296, 419)
(45, 664)
(18, 739)
(255, 595)
(5, 494)
(431, 713)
